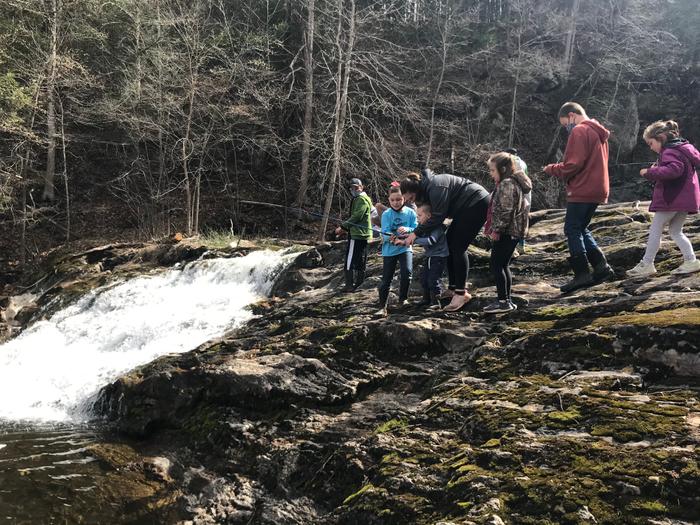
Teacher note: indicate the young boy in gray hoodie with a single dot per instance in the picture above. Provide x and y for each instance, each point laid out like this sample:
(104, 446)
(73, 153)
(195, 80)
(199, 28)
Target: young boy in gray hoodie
(436, 252)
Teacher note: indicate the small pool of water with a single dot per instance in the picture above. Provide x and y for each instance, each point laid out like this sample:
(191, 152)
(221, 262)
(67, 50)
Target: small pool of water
(55, 474)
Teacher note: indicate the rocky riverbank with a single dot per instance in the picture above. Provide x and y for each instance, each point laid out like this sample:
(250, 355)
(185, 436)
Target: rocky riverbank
(574, 409)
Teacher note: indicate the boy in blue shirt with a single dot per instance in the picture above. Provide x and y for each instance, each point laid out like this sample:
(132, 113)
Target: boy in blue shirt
(398, 221)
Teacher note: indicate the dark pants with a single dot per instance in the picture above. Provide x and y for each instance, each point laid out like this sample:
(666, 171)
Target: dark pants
(501, 254)
(431, 277)
(466, 225)
(578, 236)
(405, 261)
(356, 255)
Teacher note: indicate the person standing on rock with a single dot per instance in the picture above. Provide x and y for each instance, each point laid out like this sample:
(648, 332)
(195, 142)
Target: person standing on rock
(585, 171)
(397, 222)
(359, 225)
(456, 198)
(507, 223)
(522, 166)
(676, 194)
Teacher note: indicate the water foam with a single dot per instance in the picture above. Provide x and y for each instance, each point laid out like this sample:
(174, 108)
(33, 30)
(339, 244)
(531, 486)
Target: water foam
(50, 370)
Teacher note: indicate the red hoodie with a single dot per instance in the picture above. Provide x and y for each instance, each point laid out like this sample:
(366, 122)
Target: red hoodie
(585, 166)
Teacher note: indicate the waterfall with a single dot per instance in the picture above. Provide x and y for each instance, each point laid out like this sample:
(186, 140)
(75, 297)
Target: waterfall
(52, 369)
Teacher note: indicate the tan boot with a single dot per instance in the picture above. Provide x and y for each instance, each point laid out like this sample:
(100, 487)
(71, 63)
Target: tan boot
(457, 303)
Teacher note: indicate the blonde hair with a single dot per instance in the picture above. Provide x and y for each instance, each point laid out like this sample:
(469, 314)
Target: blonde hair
(662, 130)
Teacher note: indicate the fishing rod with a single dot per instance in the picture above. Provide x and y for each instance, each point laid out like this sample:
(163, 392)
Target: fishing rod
(631, 164)
(318, 215)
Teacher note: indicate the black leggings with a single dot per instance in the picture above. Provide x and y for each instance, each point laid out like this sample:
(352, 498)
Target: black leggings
(501, 254)
(466, 225)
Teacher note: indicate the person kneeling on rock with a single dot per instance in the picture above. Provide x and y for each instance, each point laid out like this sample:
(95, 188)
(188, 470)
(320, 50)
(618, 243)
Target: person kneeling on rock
(507, 222)
(397, 222)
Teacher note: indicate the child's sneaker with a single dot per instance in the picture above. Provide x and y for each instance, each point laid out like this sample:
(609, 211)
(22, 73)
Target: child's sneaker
(499, 307)
(687, 267)
(642, 270)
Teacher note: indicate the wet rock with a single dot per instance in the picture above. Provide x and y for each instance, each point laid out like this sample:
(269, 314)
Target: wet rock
(575, 409)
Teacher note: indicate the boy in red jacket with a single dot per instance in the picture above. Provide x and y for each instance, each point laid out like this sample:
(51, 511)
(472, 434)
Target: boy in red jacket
(585, 171)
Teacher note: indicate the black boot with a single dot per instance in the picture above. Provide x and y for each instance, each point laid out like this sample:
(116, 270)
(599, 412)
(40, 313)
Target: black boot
(582, 274)
(348, 281)
(359, 278)
(601, 269)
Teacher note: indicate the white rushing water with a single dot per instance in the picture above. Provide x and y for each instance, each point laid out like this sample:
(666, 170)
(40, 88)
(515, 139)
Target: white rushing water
(50, 370)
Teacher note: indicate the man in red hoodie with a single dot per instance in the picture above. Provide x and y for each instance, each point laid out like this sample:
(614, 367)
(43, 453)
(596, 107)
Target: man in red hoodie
(585, 171)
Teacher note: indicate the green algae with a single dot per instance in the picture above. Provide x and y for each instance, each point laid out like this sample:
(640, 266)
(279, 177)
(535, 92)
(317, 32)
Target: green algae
(391, 426)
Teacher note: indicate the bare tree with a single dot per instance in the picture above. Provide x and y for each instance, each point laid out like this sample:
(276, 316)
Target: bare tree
(309, 101)
(341, 96)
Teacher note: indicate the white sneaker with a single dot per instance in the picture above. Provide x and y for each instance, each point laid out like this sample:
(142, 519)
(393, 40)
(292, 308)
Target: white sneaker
(642, 270)
(382, 312)
(687, 267)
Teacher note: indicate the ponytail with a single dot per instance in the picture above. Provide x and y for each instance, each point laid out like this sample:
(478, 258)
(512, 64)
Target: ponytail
(411, 183)
(504, 163)
(662, 130)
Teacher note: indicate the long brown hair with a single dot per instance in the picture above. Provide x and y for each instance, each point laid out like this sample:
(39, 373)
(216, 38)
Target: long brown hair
(662, 130)
(504, 162)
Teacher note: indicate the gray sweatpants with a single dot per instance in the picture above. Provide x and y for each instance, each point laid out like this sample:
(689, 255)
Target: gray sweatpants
(675, 220)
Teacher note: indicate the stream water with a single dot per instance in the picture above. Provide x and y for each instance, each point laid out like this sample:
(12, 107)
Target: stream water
(52, 371)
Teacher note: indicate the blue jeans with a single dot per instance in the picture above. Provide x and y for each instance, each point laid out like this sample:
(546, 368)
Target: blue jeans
(405, 261)
(578, 236)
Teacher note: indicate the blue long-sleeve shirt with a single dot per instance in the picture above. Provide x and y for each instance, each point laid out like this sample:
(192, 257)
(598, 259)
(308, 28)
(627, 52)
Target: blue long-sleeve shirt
(435, 243)
(392, 220)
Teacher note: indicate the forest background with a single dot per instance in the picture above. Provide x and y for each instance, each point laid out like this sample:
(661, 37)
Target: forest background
(134, 119)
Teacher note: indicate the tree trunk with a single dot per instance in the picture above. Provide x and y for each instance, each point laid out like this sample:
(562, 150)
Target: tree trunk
(513, 110)
(48, 193)
(570, 39)
(308, 109)
(437, 88)
(185, 167)
(343, 73)
(65, 175)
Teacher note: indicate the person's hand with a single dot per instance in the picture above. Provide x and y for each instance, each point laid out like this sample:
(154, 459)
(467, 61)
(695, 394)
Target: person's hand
(495, 236)
(547, 169)
(400, 242)
(339, 231)
(402, 229)
(643, 171)
(409, 240)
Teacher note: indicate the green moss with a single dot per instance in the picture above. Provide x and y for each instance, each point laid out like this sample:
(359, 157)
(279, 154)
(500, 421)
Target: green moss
(492, 443)
(535, 325)
(571, 415)
(664, 318)
(365, 489)
(649, 507)
(558, 311)
(391, 425)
